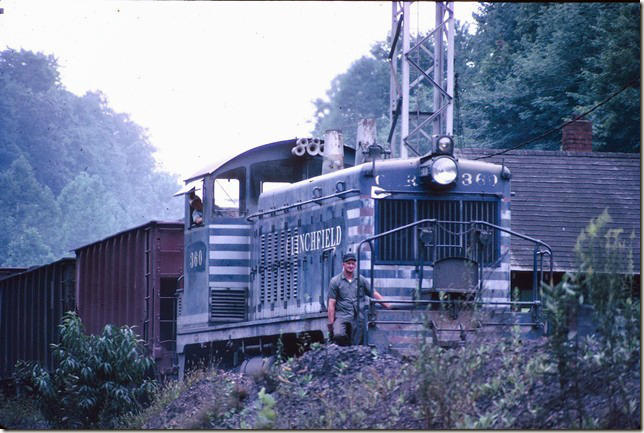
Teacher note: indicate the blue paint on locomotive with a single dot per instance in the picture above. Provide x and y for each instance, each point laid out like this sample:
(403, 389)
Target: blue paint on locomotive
(268, 268)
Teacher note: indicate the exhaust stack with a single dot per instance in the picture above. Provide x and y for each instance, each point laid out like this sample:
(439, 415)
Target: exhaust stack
(333, 151)
(365, 137)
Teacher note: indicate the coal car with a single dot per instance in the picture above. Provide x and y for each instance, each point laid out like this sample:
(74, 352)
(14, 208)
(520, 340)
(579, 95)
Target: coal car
(129, 278)
(32, 303)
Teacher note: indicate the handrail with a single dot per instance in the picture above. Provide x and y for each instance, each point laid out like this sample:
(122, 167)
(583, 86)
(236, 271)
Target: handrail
(370, 239)
(535, 304)
(536, 253)
(301, 203)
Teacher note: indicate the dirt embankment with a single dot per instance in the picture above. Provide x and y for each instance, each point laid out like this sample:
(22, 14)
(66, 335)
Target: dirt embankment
(334, 387)
(509, 385)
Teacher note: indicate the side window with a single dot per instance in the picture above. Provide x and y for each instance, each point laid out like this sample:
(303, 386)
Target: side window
(195, 200)
(227, 197)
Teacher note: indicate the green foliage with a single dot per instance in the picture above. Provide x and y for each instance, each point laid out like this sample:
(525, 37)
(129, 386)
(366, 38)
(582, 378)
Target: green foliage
(213, 397)
(362, 91)
(29, 209)
(266, 416)
(98, 378)
(602, 290)
(60, 152)
(533, 64)
(80, 201)
(460, 388)
(19, 412)
(526, 69)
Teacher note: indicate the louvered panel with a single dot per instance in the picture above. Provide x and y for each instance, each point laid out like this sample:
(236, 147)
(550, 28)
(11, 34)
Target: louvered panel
(275, 266)
(294, 260)
(228, 305)
(270, 268)
(282, 265)
(278, 266)
(262, 269)
(288, 260)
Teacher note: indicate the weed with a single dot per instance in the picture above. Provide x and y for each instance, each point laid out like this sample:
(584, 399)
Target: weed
(19, 412)
(341, 367)
(602, 287)
(266, 416)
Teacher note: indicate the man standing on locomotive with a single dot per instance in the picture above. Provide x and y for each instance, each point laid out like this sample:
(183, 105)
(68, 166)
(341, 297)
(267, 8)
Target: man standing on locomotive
(342, 302)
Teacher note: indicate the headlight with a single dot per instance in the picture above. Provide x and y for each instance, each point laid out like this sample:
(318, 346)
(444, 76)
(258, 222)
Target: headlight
(445, 145)
(444, 171)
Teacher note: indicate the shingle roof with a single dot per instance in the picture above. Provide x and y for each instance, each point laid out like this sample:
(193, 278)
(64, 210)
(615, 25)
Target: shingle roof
(557, 193)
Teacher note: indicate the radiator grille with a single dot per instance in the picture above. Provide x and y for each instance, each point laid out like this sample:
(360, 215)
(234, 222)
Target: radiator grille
(227, 305)
(278, 266)
(451, 238)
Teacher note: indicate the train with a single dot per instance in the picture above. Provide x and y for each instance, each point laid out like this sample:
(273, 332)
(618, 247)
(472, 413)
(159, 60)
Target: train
(244, 276)
(128, 278)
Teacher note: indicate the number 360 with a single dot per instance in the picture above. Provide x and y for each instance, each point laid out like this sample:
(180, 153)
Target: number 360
(481, 179)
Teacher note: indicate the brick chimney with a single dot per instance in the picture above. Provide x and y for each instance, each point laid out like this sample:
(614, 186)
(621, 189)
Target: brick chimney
(577, 136)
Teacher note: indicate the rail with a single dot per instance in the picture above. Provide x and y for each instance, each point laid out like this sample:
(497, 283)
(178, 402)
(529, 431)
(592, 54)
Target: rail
(286, 207)
(538, 257)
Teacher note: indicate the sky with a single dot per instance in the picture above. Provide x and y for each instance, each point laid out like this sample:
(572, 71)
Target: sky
(206, 79)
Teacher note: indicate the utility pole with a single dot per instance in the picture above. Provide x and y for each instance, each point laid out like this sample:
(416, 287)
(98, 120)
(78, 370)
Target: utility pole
(422, 79)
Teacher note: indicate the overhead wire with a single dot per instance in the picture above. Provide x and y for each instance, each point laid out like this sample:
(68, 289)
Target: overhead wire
(557, 128)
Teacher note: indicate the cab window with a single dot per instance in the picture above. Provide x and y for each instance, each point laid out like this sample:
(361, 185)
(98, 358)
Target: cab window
(229, 194)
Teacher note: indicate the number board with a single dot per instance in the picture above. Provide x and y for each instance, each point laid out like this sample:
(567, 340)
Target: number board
(478, 179)
(196, 257)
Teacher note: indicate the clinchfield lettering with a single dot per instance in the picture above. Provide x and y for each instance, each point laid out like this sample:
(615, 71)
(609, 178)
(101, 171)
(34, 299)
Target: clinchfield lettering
(316, 240)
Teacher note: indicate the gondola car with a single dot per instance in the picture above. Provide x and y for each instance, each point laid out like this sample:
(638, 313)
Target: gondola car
(32, 302)
(129, 278)
(277, 219)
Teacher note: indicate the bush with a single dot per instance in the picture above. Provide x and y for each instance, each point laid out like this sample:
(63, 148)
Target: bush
(603, 286)
(482, 385)
(98, 378)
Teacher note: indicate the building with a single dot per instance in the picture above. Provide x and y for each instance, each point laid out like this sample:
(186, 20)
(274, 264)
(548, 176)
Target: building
(555, 194)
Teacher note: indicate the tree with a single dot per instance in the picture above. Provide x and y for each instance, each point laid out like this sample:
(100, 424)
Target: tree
(28, 248)
(61, 150)
(83, 202)
(526, 69)
(30, 215)
(362, 91)
(531, 69)
(615, 62)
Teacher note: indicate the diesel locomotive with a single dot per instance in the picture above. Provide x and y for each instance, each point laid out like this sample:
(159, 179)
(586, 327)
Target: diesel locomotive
(428, 232)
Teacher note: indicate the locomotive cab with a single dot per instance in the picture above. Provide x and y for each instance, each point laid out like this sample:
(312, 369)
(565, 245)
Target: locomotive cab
(218, 272)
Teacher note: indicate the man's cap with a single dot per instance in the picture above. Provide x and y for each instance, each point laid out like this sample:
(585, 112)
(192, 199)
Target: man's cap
(348, 256)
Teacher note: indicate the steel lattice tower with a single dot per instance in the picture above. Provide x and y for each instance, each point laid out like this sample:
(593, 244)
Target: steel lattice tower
(422, 79)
